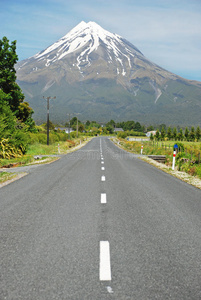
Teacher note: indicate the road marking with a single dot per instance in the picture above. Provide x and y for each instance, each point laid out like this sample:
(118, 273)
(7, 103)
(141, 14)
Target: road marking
(105, 267)
(101, 158)
(102, 168)
(103, 198)
(102, 162)
(109, 289)
(103, 178)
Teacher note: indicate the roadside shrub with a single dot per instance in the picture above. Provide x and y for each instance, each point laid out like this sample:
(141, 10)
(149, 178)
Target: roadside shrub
(53, 138)
(42, 138)
(33, 138)
(73, 135)
(192, 171)
(180, 146)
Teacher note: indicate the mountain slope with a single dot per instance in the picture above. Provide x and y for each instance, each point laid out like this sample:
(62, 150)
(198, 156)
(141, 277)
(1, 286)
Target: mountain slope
(102, 76)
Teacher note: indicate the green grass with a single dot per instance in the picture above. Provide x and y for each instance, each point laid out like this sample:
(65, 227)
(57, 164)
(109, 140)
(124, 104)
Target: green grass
(187, 160)
(41, 149)
(4, 176)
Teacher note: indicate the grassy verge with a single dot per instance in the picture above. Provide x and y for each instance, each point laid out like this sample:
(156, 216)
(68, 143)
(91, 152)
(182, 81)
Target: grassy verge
(36, 149)
(5, 176)
(187, 159)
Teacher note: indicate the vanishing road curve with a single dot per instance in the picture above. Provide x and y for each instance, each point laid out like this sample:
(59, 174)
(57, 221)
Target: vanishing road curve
(100, 224)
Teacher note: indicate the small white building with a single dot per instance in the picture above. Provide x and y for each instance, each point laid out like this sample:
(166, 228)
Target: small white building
(66, 129)
(148, 134)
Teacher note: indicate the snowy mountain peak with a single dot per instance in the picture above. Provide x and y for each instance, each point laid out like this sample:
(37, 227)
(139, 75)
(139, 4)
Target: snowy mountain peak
(85, 39)
(103, 76)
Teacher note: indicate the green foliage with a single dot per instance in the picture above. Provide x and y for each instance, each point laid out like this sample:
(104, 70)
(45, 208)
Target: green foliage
(180, 146)
(192, 134)
(180, 135)
(174, 133)
(150, 128)
(198, 133)
(111, 123)
(169, 133)
(186, 133)
(8, 85)
(157, 136)
(13, 138)
(151, 137)
(130, 125)
(162, 133)
(81, 128)
(125, 134)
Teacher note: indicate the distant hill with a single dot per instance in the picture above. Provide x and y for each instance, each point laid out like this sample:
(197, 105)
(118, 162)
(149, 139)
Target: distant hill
(102, 76)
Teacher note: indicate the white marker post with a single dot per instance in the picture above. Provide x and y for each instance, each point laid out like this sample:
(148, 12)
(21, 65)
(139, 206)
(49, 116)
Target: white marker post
(141, 149)
(173, 161)
(59, 148)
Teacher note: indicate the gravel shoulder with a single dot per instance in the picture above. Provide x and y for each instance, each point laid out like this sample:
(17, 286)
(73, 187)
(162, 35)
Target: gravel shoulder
(193, 180)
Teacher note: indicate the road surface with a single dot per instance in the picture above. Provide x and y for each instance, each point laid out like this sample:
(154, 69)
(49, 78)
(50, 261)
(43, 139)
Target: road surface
(100, 224)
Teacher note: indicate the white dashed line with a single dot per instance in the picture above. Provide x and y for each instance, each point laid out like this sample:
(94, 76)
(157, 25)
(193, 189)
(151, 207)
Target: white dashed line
(102, 162)
(105, 267)
(103, 178)
(103, 198)
(102, 168)
(101, 158)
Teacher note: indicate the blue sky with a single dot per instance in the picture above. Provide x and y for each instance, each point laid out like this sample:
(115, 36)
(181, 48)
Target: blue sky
(168, 32)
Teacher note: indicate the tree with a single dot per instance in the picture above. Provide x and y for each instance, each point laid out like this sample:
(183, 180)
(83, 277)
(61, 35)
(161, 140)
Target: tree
(151, 137)
(192, 134)
(51, 126)
(87, 123)
(186, 133)
(128, 126)
(150, 128)
(8, 85)
(162, 126)
(198, 133)
(174, 133)
(138, 127)
(81, 128)
(162, 133)
(13, 138)
(169, 133)
(110, 129)
(157, 135)
(111, 123)
(180, 135)
(7, 118)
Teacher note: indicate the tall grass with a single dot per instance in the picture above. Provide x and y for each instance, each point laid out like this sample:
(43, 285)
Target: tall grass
(187, 159)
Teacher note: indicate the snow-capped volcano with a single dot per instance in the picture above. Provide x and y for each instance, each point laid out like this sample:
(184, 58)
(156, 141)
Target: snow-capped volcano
(90, 51)
(96, 72)
(87, 38)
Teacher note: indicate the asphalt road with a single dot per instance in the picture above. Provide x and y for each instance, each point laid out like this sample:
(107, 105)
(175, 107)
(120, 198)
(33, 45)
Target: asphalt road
(99, 224)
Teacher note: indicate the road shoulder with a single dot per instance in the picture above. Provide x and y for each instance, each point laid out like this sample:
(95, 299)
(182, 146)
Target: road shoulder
(192, 180)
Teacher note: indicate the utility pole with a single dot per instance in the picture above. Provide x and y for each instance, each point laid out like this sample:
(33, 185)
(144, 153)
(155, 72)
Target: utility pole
(77, 124)
(48, 113)
(69, 114)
